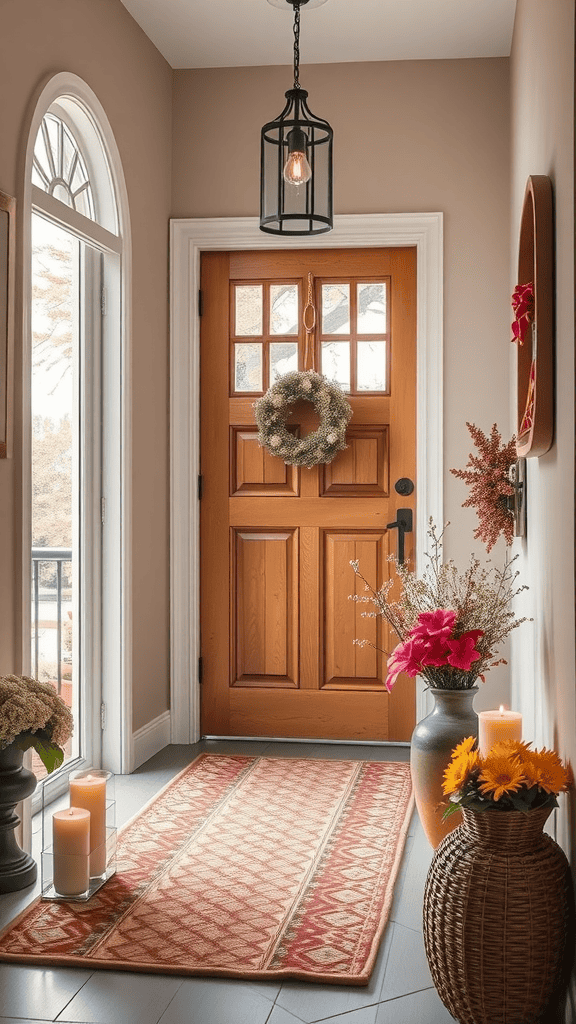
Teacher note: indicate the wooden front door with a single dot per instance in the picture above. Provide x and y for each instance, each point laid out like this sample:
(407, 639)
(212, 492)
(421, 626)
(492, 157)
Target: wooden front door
(277, 625)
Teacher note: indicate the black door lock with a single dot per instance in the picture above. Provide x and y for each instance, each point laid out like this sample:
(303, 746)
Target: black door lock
(404, 486)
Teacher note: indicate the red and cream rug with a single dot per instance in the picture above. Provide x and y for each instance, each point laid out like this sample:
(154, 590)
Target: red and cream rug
(247, 867)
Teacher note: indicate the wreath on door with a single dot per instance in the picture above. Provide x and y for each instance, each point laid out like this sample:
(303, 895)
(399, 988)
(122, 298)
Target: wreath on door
(329, 401)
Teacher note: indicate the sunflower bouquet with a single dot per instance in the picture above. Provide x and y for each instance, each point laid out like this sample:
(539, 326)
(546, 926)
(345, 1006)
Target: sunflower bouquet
(511, 777)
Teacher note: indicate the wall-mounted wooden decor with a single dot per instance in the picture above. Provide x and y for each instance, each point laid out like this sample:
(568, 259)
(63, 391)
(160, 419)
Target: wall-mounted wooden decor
(7, 265)
(535, 374)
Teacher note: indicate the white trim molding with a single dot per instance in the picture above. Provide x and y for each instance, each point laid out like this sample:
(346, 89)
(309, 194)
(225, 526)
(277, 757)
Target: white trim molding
(73, 96)
(189, 239)
(151, 738)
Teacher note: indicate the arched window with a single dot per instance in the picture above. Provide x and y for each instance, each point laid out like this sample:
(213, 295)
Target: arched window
(59, 167)
(76, 421)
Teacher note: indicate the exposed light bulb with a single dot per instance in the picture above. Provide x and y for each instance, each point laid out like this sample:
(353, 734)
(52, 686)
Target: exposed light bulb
(297, 170)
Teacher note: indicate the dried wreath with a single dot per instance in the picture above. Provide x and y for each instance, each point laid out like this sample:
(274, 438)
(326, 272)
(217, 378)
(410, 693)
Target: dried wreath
(330, 403)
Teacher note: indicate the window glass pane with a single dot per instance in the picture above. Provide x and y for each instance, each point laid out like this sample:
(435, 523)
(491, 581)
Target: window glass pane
(372, 308)
(283, 359)
(248, 309)
(336, 362)
(248, 367)
(284, 309)
(41, 161)
(52, 129)
(335, 309)
(371, 369)
(55, 263)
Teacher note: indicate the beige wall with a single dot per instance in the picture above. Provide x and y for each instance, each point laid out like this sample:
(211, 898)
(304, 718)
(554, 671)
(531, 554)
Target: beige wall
(542, 69)
(101, 43)
(408, 136)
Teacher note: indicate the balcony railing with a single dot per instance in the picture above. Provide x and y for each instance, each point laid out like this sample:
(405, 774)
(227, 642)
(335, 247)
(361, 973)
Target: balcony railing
(52, 594)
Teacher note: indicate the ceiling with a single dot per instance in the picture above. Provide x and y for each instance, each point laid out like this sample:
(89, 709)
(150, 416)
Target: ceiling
(246, 33)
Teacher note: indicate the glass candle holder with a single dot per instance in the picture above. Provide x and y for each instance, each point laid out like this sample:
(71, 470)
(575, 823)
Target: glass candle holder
(79, 838)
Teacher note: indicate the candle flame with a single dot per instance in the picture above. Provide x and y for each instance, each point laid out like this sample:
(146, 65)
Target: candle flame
(502, 709)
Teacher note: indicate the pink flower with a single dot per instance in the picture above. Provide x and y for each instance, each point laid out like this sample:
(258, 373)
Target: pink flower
(440, 622)
(406, 657)
(523, 306)
(436, 651)
(463, 650)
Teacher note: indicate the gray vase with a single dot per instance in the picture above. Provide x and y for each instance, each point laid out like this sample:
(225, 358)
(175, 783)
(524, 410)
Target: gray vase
(450, 721)
(17, 869)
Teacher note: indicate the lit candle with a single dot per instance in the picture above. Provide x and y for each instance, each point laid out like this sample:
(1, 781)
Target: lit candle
(88, 790)
(71, 848)
(494, 726)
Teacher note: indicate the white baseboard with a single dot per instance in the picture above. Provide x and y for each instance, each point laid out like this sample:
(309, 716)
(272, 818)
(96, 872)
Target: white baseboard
(151, 738)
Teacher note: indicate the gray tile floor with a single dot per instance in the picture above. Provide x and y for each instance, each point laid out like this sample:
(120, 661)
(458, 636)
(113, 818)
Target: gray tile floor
(400, 990)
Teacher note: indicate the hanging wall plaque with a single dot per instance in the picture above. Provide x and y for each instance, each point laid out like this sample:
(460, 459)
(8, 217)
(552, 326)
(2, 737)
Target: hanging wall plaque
(533, 328)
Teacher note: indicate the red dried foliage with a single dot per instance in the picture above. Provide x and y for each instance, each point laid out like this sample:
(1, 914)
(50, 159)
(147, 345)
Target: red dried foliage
(487, 477)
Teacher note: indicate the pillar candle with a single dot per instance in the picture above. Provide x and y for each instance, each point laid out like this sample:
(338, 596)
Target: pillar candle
(494, 726)
(71, 849)
(88, 790)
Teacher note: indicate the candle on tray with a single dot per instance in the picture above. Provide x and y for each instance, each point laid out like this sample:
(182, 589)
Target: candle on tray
(88, 790)
(494, 726)
(71, 849)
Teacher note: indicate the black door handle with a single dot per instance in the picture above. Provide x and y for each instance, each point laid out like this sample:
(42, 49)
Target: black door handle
(404, 524)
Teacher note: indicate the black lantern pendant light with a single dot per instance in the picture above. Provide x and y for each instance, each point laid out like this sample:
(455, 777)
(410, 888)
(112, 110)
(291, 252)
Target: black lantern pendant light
(296, 162)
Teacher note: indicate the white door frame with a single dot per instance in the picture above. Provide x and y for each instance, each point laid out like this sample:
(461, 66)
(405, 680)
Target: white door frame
(189, 239)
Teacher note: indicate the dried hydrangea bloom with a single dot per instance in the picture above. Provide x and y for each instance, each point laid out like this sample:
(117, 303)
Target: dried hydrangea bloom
(27, 705)
(487, 477)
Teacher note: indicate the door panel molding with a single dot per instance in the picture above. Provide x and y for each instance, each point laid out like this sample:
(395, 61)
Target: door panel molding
(189, 238)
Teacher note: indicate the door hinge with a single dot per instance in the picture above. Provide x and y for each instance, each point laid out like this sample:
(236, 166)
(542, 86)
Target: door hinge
(200, 487)
(103, 509)
(102, 716)
(103, 301)
(200, 671)
(200, 303)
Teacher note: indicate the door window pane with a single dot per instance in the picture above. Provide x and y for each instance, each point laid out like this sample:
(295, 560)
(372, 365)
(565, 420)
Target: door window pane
(372, 308)
(335, 309)
(55, 510)
(248, 367)
(283, 359)
(371, 368)
(284, 309)
(248, 310)
(336, 362)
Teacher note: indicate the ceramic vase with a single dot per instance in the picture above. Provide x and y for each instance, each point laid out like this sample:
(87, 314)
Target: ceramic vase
(17, 869)
(497, 908)
(450, 721)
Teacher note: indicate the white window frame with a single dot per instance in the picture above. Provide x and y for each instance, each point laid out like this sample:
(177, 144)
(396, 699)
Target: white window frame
(112, 660)
(189, 239)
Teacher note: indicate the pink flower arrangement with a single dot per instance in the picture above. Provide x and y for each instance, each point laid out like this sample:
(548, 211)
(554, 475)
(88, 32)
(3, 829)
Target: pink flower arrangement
(450, 624)
(433, 642)
(523, 306)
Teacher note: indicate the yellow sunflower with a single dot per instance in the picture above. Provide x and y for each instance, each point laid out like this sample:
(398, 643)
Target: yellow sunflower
(464, 747)
(531, 770)
(510, 748)
(500, 776)
(459, 771)
(553, 777)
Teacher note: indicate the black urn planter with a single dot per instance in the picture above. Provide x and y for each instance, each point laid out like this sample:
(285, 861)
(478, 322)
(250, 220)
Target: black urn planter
(17, 869)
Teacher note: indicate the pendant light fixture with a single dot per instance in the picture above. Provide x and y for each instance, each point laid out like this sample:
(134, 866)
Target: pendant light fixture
(296, 161)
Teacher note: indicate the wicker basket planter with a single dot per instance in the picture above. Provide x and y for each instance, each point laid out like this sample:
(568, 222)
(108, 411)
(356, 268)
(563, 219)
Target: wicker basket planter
(496, 913)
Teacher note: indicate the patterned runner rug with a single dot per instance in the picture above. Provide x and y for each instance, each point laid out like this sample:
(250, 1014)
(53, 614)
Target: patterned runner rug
(247, 867)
